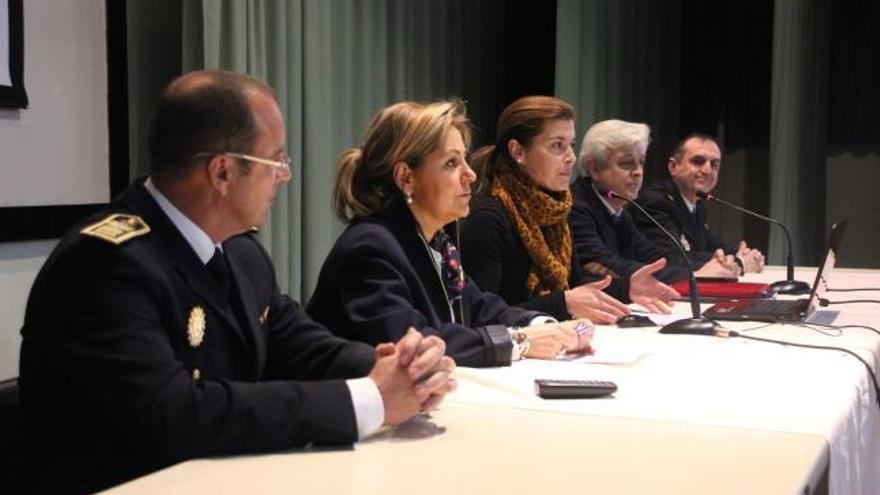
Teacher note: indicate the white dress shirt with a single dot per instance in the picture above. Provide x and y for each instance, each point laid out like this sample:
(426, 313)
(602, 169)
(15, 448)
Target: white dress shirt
(615, 212)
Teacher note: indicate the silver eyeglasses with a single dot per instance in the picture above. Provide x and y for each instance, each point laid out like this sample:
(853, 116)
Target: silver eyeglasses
(281, 167)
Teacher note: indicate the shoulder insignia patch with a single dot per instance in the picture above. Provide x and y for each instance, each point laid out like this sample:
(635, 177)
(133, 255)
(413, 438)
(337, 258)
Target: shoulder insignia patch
(117, 228)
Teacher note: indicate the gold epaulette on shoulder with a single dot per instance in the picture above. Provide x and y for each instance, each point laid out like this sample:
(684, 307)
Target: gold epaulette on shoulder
(117, 228)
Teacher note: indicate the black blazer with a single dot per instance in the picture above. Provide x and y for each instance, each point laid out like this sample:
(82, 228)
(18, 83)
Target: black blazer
(498, 261)
(620, 248)
(663, 200)
(107, 381)
(379, 279)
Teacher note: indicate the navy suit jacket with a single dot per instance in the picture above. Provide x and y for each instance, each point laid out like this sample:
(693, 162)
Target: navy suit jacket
(379, 279)
(601, 245)
(108, 385)
(663, 200)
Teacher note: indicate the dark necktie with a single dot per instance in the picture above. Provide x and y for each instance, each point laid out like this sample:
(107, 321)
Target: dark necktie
(450, 265)
(621, 234)
(218, 265)
(219, 268)
(616, 219)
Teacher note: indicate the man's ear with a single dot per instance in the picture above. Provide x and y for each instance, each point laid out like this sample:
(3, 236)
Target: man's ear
(515, 150)
(220, 172)
(592, 168)
(403, 177)
(671, 166)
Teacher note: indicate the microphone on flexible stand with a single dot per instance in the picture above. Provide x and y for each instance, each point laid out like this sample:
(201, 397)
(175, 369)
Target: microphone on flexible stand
(697, 324)
(787, 286)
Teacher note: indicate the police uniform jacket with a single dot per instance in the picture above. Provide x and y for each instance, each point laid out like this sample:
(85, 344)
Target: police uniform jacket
(605, 244)
(380, 278)
(663, 200)
(133, 359)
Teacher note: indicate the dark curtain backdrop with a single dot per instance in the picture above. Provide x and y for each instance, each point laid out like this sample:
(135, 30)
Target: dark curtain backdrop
(781, 92)
(334, 63)
(783, 85)
(725, 88)
(854, 77)
(681, 66)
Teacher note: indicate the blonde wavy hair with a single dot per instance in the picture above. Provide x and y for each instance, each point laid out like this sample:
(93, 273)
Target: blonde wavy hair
(404, 132)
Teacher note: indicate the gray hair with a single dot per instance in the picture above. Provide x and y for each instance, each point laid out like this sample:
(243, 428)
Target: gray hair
(609, 135)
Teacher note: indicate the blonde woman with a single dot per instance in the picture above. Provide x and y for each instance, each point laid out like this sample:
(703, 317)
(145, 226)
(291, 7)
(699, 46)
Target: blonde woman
(395, 266)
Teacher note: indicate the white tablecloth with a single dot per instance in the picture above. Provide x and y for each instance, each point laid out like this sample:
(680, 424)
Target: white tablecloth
(727, 382)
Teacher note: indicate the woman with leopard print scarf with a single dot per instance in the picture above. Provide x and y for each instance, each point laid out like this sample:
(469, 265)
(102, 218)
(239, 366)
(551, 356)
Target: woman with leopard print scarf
(395, 266)
(517, 242)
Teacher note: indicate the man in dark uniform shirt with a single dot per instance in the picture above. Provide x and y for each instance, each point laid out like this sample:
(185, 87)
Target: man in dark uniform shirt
(693, 168)
(155, 332)
(606, 239)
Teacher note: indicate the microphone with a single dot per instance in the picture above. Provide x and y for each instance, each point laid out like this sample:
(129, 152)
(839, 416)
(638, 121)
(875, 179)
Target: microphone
(697, 324)
(787, 286)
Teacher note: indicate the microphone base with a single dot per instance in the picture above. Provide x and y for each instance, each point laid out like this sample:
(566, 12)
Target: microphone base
(691, 326)
(792, 287)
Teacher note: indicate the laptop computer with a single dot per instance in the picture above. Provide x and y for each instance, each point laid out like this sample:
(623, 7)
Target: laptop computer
(784, 311)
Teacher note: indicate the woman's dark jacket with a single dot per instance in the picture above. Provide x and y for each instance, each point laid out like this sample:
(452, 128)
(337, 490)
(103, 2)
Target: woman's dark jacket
(498, 261)
(380, 278)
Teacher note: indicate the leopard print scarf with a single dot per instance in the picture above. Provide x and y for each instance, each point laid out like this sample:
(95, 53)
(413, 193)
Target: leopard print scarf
(541, 219)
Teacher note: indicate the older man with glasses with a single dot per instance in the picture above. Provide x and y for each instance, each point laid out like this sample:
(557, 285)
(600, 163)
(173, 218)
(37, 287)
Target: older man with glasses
(155, 331)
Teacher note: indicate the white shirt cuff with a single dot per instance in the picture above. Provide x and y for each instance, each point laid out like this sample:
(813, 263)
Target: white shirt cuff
(369, 411)
(542, 320)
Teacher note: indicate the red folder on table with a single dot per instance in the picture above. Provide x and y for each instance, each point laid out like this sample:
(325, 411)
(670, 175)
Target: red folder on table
(723, 289)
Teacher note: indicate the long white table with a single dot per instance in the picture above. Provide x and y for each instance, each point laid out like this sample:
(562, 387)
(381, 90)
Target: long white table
(692, 414)
(466, 448)
(700, 380)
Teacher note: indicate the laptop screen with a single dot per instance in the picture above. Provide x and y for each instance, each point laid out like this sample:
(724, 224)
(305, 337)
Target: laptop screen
(827, 266)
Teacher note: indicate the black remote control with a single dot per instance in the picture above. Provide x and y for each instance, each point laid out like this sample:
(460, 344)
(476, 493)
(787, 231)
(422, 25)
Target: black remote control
(573, 389)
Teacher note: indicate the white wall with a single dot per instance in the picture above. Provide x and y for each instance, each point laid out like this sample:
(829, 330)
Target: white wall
(56, 151)
(19, 263)
(61, 138)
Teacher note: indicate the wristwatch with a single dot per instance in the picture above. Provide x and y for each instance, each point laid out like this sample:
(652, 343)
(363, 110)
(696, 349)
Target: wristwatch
(520, 343)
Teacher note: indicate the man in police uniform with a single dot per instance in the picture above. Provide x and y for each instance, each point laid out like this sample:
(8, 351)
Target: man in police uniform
(155, 332)
(604, 232)
(693, 168)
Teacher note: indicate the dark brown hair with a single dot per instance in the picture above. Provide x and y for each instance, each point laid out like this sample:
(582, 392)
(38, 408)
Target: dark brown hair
(522, 120)
(678, 151)
(206, 111)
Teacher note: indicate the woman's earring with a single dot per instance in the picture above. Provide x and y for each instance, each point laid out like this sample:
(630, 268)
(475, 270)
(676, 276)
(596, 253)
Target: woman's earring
(408, 198)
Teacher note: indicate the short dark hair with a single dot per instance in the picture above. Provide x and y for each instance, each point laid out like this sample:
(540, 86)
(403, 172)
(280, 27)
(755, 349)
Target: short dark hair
(678, 151)
(207, 111)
